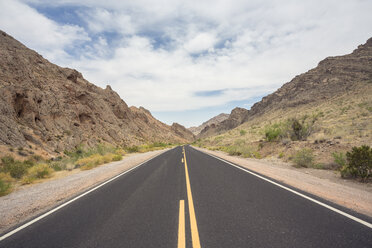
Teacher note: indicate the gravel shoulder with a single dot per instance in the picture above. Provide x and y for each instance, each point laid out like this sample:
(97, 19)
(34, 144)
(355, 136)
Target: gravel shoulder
(30, 201)
(325, 184)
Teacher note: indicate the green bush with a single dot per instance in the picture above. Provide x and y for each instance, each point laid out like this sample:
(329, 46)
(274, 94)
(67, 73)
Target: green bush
(295, 129)
(37, 172)
(339, 159)
(117, 157)
(242, 132)
(359, 163)
(273, 133)
(132, 149)
(5, 184)
(304, 158)
(15, 168)
(233, 151)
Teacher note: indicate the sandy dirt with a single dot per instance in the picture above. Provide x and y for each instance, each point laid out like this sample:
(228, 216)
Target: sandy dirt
(323, 183)
(31, 200)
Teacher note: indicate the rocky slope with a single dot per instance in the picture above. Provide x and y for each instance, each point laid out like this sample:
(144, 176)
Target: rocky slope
(332, 78)
(215, 120)
(54, 108)
(236, 118)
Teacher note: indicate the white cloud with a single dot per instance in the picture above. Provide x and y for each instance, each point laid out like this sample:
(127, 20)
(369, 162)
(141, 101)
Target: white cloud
(247, 47)
(38, 32)
(200, 43)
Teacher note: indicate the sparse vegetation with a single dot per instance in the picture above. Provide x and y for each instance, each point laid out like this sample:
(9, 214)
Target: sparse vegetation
(242, 132)
(304, 158)
(359, 163)
(5, 184)
(148, 147)
(35, 167)
(294, 129)
(16, 169)
(38, 171)
(241, 149)
(339, 159)
(273, 133)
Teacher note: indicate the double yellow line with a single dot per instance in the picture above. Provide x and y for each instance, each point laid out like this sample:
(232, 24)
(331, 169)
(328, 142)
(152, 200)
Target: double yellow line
(193, 223)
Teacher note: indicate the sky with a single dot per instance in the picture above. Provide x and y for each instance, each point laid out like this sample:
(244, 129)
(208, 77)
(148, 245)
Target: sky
(189, 60)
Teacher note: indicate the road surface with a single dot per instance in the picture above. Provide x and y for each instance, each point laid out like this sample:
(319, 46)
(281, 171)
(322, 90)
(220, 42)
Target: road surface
(185, 198)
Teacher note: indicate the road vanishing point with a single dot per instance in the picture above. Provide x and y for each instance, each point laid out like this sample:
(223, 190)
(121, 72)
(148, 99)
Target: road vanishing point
(184, 198)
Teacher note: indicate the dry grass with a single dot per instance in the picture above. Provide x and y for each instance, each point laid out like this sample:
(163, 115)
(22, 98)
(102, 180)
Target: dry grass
(96, 160)
(38, 171)
(5, 183)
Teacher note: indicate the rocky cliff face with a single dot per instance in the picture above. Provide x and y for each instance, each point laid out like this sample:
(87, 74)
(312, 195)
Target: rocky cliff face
(236, 118)
(182, 131)
(334, 76)
(55, 108)
(215, 120)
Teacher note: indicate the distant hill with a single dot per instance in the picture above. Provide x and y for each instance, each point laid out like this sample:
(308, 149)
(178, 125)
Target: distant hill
(54, 108)
(215, 120)
(236, 118)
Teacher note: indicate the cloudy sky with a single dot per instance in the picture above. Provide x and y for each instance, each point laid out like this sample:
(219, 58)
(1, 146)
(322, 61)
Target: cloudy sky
(187, 61)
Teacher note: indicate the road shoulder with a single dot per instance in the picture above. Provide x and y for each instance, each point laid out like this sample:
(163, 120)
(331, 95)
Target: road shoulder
(325, 184)
(32, 200)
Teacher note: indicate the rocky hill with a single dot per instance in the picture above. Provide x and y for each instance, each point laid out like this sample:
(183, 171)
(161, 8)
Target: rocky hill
(333, 77)
(327, 111)
(236, 118)
(215, 120)
(54, 108)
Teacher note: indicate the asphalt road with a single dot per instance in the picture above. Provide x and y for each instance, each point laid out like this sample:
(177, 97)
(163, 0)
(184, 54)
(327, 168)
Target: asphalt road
(204, 202)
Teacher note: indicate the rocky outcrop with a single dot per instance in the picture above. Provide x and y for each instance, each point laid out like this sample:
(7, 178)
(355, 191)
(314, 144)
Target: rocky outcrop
(237, 117)
(56, 109)
(215, 120)
(182, 131)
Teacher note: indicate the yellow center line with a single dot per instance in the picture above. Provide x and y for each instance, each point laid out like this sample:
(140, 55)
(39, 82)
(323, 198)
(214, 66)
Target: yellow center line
(193, 224)
(181, 226)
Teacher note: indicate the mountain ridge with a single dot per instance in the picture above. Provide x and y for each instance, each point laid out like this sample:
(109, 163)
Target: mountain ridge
(55, 108)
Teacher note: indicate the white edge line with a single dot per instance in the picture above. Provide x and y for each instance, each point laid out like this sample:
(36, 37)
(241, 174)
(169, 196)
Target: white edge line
(70, 201)
(295, 192)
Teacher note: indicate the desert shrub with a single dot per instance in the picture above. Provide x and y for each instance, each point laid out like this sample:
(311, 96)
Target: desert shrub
(295, 129)
(304, 158)
(281, 155)
(273, 133)
(359, 163)
(15, 168)
(57, 166)
(233, 151)
(90, 162)
(36, 158)
(339, 159)
(5, 184)
(117, 157)
(301, 129)
(37, 172)
(242, 132)
(120, 151)
(243, 150)
(132, 149)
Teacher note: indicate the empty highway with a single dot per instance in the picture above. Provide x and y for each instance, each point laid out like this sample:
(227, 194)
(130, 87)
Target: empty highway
(185, 198)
